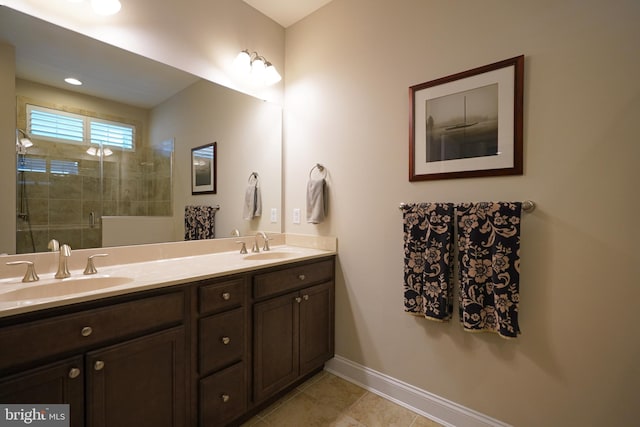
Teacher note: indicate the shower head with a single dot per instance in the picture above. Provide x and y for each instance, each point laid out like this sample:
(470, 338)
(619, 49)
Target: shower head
(23, 141)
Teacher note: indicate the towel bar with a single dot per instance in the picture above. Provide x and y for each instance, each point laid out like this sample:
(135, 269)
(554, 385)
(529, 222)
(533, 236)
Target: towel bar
(527, 205)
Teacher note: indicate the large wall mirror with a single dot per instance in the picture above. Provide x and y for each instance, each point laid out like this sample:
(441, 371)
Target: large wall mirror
(131, 185)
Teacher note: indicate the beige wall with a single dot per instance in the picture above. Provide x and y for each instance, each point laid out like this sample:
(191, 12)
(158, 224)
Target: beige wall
(248, 133)
(7, 149)
(349, 67)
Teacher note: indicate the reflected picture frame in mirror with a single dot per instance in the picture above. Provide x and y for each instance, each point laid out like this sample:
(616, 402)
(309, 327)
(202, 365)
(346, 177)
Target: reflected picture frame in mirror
(203, 169)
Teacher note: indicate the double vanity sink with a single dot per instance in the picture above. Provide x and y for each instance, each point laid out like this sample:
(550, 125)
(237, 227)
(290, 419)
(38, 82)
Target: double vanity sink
(176, 335)
(18, 297)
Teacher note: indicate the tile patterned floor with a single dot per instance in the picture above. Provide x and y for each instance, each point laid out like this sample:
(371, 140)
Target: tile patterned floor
(327, 400)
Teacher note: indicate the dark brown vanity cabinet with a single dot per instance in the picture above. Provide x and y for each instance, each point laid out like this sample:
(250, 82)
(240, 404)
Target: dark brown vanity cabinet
(207, 353)
(122, 364)
(293, 325)
(222, 386)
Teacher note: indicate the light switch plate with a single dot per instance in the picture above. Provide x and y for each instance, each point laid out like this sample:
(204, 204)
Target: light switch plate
(296, 215)
(274, 215)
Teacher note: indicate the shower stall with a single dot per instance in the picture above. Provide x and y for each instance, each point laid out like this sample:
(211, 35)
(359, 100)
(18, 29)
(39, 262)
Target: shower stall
(64, 189)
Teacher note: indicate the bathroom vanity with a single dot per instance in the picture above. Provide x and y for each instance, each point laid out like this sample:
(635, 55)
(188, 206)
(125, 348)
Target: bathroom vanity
(209, 350)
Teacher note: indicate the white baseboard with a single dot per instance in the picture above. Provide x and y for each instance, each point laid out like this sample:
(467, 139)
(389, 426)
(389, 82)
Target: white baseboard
(441, 410)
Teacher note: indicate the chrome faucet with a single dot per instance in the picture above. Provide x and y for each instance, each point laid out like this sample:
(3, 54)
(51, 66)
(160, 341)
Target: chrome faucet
(63, 269)
(266, 242)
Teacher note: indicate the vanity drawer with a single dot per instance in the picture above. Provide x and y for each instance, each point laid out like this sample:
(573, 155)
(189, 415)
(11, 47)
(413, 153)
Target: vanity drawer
(284, 280)
(222, 339)
(56, 335)
(222, 295)
(223, 396)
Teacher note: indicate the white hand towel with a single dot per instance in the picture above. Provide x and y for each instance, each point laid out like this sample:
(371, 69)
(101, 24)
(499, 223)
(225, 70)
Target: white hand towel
(316, 201)
(252, 201)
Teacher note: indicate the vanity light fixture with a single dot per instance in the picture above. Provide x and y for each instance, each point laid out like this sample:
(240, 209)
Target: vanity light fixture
(106, 7)
(257, 68)
(73, 81)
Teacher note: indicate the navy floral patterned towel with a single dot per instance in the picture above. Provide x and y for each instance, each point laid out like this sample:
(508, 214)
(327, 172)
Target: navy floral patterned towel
(489, 258)
(199, 222)
(428, 256)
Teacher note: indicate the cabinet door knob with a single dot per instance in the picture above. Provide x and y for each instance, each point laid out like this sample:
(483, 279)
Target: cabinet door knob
(225, 398)
(305, 297)
(298, 300)
(86, 331)
(226, 340)
(98, 365)
(74, 373)
(302, 277)
(226, 296)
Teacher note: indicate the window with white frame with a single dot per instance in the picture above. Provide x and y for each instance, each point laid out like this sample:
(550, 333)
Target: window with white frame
(61, 126)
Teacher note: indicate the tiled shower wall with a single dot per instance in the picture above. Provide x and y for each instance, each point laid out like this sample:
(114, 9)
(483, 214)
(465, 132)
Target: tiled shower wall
(59, 205)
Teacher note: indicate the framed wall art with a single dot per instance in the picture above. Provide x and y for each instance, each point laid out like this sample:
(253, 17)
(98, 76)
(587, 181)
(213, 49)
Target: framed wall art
(203, 169)
(468, 124)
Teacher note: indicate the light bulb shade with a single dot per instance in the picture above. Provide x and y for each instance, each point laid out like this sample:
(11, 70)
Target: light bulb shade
(258, 68)
(92, 151)
(106, 7)
(271, 75)
(242, 63)
(26, 142)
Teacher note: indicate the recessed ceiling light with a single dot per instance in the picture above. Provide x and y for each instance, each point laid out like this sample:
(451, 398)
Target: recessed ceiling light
(73, 81)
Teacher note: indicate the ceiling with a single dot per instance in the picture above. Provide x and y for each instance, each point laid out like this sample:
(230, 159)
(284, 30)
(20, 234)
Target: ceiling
(287, 12)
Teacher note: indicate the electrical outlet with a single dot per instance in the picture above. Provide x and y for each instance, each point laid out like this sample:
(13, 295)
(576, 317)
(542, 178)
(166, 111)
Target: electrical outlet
(274, 215)
(296, 215)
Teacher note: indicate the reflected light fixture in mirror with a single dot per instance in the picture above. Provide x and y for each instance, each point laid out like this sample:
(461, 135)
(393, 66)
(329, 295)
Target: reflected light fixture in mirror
(24, 142)
(99, 152)
(73, 81)
(257, 68)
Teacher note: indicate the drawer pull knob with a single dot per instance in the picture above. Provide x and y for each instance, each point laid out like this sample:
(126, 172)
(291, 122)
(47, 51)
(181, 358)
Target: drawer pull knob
(86, 331)
(98, 365)
(226, 296)
(298, 300)
(225, 398)
(305, 297)
(74, 373)
(226, 340)
(302, 277)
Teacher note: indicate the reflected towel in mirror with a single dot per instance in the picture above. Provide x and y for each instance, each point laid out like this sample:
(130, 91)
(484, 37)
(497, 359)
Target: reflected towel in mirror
(199, 222)
(252, 200)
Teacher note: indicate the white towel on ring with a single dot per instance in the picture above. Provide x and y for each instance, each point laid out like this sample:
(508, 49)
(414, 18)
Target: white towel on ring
(316, 201)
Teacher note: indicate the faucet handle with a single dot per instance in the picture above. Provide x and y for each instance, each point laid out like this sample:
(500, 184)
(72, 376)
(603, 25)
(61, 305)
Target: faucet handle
(243, 249)
(266, 243)
(30, 275)
(91, 268)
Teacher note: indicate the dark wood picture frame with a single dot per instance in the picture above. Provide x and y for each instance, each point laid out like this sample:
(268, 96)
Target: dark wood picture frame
(445, 143)
(203, 169)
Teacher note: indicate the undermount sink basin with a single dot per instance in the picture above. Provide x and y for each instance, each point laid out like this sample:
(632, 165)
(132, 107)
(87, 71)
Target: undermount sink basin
(269, 255)
(63, 287)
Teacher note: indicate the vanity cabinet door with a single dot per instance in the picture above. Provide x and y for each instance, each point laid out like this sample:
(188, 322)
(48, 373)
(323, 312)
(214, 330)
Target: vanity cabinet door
(275, 345)
(138, 383)
(293, 335)
(316, 326)
(57, 383)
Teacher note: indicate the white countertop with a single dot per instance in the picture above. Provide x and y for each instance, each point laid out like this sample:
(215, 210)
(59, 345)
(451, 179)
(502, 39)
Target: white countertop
(138, 276)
